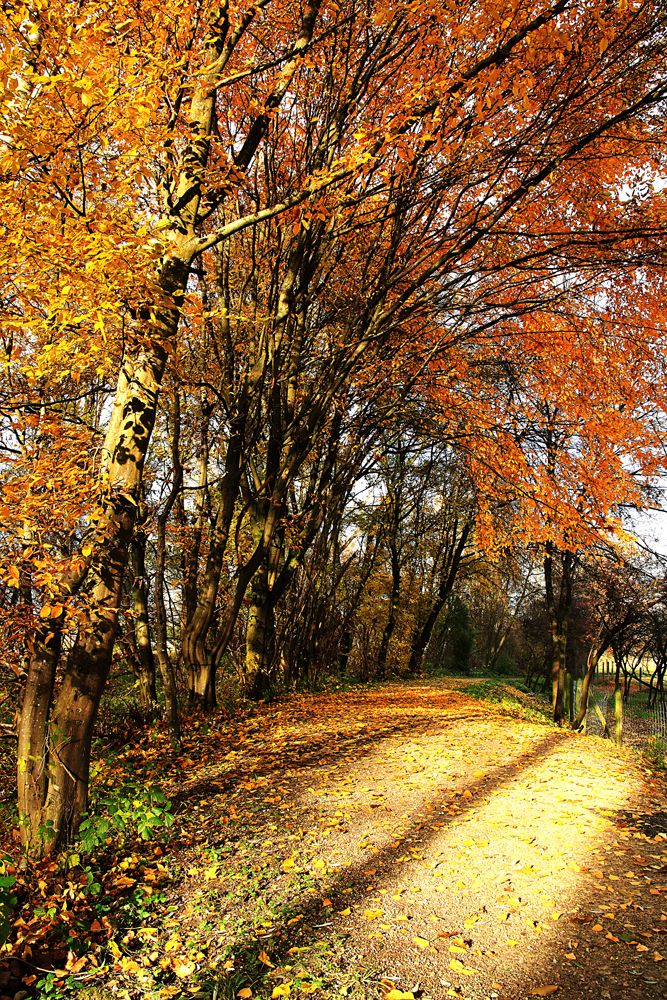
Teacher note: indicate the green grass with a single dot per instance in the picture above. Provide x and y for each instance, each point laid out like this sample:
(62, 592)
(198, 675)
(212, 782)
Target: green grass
(656, 751)
(509, 696)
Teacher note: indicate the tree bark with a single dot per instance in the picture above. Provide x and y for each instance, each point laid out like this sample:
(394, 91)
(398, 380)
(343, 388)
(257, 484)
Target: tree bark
(198, 661)
(164, 661)
(146, 665)
(390, 624)
(165, 665)
(260, 638)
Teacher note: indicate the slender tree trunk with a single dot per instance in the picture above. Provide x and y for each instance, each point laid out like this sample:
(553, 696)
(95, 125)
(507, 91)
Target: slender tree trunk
(192, 535)
(199, 663)
(390, 624)
(593, 660)
(146, 662)
(558, 672)
(446, 585)
(165, 665)
(618, 706)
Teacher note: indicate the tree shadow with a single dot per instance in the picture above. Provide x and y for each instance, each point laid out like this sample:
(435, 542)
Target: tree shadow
(303, 755)
(650, 824)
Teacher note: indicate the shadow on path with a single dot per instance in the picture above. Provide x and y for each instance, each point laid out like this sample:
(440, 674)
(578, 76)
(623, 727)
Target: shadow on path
(329, 749)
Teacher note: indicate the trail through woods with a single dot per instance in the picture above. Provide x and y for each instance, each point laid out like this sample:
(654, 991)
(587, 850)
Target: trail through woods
(401, 841)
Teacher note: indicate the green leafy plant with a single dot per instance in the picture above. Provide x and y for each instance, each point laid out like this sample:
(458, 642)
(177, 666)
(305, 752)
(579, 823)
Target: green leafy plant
(7, 897)
(56, 988)
(122, 814)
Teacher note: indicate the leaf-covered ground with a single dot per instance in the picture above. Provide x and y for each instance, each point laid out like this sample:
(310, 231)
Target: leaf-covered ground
(408, 840)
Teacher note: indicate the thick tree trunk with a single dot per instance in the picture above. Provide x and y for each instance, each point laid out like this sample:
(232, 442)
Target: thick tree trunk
(54, 746)
(33, 732)
(202, 680)
(57, 772)
(558, 608)
(260, 638)
(423, 637)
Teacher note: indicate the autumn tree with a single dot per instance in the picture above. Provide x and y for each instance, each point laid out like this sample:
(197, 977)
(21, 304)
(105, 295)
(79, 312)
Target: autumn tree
(341, 181)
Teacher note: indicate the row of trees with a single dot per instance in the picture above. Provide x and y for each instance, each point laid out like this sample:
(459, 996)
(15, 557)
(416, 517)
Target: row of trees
(285, 286)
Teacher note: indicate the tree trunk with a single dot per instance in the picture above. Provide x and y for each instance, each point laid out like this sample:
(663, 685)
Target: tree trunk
(390, 624)
(164, 662)
(446, 584)
(593, 660)
(199, 663)
(146, 662)
(54, 746)
(192, 535)
(260, 638)
(618, 708)
(56, 773)
(558, 673)
(33, 732)
(423, 637)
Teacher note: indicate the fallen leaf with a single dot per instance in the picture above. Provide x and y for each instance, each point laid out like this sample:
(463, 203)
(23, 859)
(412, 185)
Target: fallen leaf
(543, 991)
(420, 942)
(130, 967)
(182, 969)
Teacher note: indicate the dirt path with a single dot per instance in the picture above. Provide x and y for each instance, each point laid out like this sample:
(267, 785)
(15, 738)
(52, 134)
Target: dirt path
(405, 841)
